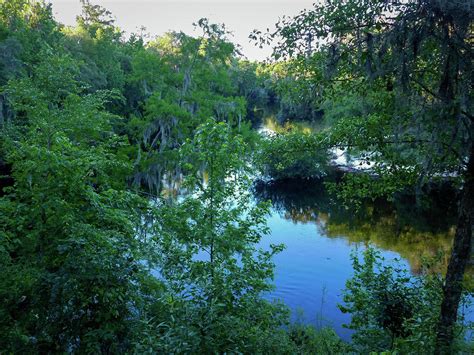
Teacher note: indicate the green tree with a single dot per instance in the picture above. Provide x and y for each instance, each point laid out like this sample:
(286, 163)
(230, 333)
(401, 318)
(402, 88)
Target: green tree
(88, 264)
(184, 81)
(68, 238)
(391, 310)
(208, 246)
(416, 58)
(292, 155)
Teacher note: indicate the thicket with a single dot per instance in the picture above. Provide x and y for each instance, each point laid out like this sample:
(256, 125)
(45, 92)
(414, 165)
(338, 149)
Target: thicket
(93, 257)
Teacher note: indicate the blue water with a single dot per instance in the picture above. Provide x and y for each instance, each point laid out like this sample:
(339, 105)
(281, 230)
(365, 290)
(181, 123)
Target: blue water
(311, 272)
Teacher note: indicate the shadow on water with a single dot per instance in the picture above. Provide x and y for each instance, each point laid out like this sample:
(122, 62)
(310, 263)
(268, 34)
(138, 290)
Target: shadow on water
(413, 232)
(321, 234)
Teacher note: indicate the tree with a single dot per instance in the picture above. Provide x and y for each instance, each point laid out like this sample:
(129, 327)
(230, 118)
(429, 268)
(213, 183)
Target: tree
(208, 246)
(184, 80)
(88, 264)
(390, 309)
(68, 235)
(94, 17)
(292, 155)
(414, 59)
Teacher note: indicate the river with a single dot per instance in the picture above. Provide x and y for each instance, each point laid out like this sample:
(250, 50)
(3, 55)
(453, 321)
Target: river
(320, 236)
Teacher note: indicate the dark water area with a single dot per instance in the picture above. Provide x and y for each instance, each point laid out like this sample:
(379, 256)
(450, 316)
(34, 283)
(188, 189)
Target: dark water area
(320, 235)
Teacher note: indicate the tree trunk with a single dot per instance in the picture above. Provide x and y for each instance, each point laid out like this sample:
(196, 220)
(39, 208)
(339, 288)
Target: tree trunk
(460, 257)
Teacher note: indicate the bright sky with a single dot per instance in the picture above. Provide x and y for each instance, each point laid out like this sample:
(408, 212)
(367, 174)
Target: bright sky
(159, 16)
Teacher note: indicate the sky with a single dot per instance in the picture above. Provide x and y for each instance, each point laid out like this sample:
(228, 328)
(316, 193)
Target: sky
(159, 16)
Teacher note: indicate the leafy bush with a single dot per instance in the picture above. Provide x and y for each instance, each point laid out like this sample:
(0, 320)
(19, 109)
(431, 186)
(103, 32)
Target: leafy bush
(392, 310)
(293, 155)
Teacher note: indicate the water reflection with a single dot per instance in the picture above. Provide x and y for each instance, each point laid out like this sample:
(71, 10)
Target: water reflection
(414, 233)
(320, 236)
(269, 124)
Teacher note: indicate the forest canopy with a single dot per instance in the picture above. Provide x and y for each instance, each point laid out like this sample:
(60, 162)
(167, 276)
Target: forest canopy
(127, 166)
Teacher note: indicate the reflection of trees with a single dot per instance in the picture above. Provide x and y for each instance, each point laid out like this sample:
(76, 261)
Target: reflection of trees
(294, 197)
(410, 243)
(272, 123)
(413, 232)
(302, 215)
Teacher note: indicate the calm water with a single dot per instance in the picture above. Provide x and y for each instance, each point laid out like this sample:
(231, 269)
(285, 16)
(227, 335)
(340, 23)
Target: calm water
(320, 236)
(311, 272)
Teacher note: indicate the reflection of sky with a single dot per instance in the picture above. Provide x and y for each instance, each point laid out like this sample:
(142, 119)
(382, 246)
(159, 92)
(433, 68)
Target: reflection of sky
(159, 16)
(311, 272)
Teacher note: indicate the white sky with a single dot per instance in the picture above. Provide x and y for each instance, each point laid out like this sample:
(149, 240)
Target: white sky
(159, 16)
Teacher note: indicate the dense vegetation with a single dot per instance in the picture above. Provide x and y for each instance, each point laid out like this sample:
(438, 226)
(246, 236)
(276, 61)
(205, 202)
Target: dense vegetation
(405, 72)
(99, 255)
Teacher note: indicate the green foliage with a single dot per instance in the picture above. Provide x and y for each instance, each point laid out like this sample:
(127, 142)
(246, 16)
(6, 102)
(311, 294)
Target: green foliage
(251, 84)
(69, 229)
(308, 340)
(391, 310)
(90, 265)
(398, 100)
(411, 64)
(89, 121)
(293, 155)
(182, 81)
(357, 187)
(207, 245)
(397, 89)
